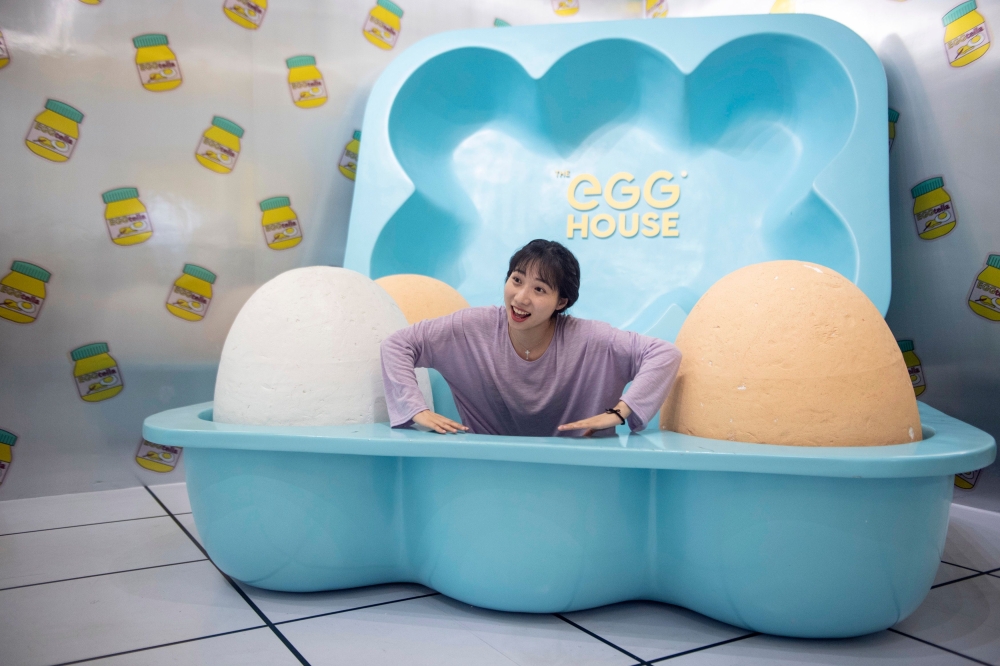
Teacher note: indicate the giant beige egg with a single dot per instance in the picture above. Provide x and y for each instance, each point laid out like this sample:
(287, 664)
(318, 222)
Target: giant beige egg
(790, 352)
(421, 297)
(304, 350)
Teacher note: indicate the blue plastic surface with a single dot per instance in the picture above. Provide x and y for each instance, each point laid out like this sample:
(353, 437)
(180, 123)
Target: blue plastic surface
(774, 129)
(800, 542)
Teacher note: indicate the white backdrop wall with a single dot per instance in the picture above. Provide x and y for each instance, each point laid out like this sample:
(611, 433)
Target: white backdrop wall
(52, 214)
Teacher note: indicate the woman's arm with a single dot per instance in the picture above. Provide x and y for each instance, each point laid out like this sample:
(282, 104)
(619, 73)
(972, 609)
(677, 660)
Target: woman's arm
(416, 347)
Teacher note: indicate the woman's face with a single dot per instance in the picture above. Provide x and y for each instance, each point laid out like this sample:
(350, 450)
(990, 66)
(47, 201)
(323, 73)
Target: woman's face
(530, 301)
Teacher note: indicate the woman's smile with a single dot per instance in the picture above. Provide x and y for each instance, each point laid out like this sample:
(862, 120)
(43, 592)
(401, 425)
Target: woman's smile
(519, 315)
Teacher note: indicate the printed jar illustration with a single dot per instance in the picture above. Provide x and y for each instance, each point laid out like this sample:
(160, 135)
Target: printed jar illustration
(96, 373)
(281, 225)
(783, 7)
(22, 292)
(157, 458)
(191, 294)
(966, 37)
(500, 23)
(349, 160)
(245, 13)
(893, 117)
(4, 53)
(985, 296)
(220, 145)
(126, 217)
(655, 9)
(305, 82)
(7, 440)
(565, 7)
(913, 365)
(157, 64)
(55, 131)
(967, 480)
(382, 25)
(933, 211)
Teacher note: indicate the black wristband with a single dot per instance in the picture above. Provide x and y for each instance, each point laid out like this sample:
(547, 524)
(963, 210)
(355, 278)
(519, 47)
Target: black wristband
(616, 412)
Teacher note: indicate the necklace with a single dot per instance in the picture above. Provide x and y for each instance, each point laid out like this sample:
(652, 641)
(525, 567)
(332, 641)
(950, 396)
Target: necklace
(526, 354)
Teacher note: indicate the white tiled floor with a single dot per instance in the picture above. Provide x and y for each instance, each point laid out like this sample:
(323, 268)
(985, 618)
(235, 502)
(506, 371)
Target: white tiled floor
(111, 578)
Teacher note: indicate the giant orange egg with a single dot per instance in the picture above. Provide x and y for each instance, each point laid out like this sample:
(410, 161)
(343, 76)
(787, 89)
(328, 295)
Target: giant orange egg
(790, 352)
(421, 297)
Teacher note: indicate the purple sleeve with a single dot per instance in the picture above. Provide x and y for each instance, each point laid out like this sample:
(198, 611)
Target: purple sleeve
(412, 347)
(653, 366)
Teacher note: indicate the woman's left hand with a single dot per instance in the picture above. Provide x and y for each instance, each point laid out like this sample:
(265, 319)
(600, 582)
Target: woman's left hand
(599, 422)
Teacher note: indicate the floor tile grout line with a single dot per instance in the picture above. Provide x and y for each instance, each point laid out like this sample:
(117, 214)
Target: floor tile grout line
(69, 527)
(590, 633)
(348, 610)
(161, 645)
(940, 647)
(239, 590)
(98, 575)
(961, 566)
(705, 647)
(959, 580)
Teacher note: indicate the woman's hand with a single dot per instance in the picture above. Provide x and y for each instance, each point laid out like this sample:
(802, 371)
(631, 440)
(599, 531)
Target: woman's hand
(438, 423)
(599, 422)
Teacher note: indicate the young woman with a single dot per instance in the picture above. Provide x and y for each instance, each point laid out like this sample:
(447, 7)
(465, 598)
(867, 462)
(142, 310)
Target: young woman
(527, 368)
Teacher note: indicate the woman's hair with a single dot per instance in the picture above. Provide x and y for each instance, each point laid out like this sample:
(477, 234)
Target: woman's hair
(555, 265)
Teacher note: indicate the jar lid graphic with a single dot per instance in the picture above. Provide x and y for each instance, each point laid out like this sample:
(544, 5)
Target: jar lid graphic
(994, 261)
(149, 40)
(7, 438)
(357, 135)
(275, 202)
(300, 61)
(905, 345)
(64, 110)
(228, 126)
(86, 351)
(120, 194)
(959, 11)
(394, 8)
(927, 186)
(31, 270)
(893, 115)
(200, 273)
(500, 23)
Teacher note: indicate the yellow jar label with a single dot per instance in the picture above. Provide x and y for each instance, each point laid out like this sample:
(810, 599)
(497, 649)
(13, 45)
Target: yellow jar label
(160, 71)
(916, 375)
(349, 160)
(565, 7)
(99, 380)
(986, 295)
(127, 225)
(305, 91)
(656, 9)
(282, 231)
(188, 300)
(246, 9)
(20, 302)
(931, 218)
(4, 466)
(53, 140)
(157, 453)
(978, 37)
(381, 30)
(215, 152)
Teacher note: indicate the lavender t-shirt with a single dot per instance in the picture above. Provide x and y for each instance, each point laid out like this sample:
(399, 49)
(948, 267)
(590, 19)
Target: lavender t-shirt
(582, 373)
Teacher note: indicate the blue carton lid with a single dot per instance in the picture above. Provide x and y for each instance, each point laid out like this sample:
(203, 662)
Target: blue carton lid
(664, 154)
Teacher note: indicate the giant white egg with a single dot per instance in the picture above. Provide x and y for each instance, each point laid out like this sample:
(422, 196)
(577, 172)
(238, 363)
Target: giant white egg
(304, 350)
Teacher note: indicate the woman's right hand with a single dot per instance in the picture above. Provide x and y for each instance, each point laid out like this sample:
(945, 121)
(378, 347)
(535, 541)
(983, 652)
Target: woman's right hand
(438, 423)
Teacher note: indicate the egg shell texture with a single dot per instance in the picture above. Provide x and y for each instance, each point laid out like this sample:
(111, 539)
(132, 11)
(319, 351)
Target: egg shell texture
(789, 352)
(421, 297)
(304, 350)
